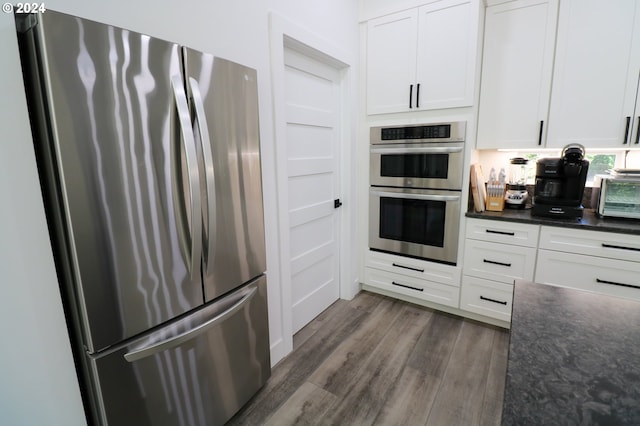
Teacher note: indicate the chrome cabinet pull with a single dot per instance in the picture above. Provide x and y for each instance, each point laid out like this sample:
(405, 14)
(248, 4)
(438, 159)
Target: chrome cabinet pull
(407, 286)
(418, 96)
(493, 262)
(500, 302)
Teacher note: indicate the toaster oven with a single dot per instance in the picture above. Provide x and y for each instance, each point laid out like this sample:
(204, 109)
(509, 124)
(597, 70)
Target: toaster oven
(616, 196)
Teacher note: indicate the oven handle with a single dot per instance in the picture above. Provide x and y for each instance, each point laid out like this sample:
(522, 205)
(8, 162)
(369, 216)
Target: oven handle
(416, 196)
(417, 150)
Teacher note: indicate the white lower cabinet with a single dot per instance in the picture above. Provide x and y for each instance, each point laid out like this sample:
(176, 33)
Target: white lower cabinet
(499, 262)
(495, 255)
(413, 287)
(485, 297)
(601, 262)
(412, 279)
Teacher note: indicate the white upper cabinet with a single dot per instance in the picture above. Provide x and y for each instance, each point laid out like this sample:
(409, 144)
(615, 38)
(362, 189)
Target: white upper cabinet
(516, 74)
(422, 58)
(595, 80)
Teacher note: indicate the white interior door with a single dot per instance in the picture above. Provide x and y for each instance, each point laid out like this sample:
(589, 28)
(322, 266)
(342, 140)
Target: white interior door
(312, 103)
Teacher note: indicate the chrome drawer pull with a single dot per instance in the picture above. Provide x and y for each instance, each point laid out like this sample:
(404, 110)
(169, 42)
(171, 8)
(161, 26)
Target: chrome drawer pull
(407, 286)
(407, 267)
(598, 280)
(493, 262)
(500, 302)
(491, 231)
(620, 247)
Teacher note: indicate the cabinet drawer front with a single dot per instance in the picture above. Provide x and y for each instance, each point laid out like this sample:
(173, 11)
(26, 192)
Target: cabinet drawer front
(503, 232)
(421, 269)
(594, 243)
(607, 276)
(485, 297)
(420, 289)
(498, 262)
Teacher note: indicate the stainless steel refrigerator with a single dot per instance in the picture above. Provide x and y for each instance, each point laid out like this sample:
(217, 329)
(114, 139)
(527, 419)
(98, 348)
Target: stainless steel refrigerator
(149, 160)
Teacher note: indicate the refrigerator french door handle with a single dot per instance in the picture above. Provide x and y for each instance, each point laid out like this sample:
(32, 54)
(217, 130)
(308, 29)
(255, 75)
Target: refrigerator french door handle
(205, 140)
(152, 346)
(184, 119)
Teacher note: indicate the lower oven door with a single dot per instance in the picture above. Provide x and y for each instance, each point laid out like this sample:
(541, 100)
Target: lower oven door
(416, 223)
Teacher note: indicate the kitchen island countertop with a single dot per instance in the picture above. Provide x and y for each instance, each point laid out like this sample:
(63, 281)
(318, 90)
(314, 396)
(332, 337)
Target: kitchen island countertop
(589, 221)
(574, 358)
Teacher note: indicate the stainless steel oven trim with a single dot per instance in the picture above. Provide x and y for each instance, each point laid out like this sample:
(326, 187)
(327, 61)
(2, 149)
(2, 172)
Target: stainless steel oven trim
(415, 196)
(447, 254)
(453, 181)
(411, 149)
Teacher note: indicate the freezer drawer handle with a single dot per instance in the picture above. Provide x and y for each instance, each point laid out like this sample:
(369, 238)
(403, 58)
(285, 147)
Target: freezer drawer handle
(598, 280)
(173, 341)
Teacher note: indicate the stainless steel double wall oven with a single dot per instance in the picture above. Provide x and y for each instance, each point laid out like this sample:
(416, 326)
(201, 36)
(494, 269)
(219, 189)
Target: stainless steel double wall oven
(416, 176)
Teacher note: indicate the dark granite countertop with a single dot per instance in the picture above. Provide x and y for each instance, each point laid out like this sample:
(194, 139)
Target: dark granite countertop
(589, 220)
(574, 358)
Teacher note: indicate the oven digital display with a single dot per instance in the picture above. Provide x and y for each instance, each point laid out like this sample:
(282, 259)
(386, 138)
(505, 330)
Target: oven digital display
(413, 221)
(439, 131)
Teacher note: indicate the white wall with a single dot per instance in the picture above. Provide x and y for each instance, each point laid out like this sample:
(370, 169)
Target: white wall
(40, 387)
(37, 379)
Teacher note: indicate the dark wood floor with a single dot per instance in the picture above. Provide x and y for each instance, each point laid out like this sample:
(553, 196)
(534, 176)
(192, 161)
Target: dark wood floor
(377, 360)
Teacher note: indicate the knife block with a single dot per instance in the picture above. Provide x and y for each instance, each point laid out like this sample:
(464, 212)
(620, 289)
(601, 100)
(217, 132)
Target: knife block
(495, 198)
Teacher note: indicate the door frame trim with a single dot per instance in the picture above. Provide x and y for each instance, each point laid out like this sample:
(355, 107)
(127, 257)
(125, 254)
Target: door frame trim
(286, 34)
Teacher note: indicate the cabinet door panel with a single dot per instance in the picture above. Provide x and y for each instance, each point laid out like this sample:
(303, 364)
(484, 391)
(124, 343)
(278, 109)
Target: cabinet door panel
(446, 55)
(516, 74)
(391, 62)
(596, 73)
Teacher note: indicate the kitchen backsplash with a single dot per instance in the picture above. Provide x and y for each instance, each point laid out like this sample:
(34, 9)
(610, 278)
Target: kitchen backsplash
(586, 197)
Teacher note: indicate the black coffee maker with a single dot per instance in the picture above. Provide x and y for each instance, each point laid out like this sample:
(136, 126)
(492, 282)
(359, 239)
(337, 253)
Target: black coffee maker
(560, 184)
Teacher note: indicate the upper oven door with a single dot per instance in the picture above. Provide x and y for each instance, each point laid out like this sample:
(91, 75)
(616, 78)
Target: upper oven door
(428, 165)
